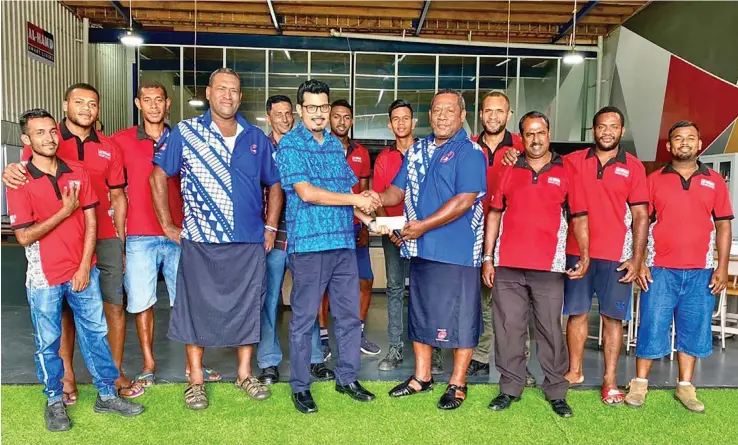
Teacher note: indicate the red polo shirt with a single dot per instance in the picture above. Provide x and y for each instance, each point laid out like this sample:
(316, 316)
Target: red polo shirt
(610, 191)
(534, 219)
(138, 150)
(358, 159)
(55, 258)
(103, 162)
(386, 166)
(683, 214)
(493, 157)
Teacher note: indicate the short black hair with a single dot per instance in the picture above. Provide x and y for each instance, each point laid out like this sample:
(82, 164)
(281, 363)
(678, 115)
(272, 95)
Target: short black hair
(312, 86)
(224, 70)
(684, 124)
(80, 86)
(533, 115)
(497, 94)
(399, 103)
(146, 85)
(606, 110)
(343, 103)
(36, 113)
(277, 99)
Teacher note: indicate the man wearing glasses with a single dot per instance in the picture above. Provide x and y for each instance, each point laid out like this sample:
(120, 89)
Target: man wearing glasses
(317, 181)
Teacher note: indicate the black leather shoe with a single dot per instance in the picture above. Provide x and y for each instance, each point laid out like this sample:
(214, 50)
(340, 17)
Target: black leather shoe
(477, 368)
(561, 408)
(321, 373)
(269, 375)
(355, 391)
(449, 400)
(404, 388)
(502, 402)
(303, 402)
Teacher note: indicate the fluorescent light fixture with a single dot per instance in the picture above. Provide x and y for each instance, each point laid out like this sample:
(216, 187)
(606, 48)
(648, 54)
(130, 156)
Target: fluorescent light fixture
(196, 103)
(261, 119)
(287, 53)
(131, 39)
(504, 62)
(573, 58)
(381, 93)
(472, 79)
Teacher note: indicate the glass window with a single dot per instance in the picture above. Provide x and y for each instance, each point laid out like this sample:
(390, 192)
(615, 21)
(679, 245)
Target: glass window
(251, 66)
(538, 89)
(576, 98)
(161, 64)
(287, 70)
(333, 68)
(459, 73)
(208, 60)
(373, 94)
(416, 84)
(498, 74)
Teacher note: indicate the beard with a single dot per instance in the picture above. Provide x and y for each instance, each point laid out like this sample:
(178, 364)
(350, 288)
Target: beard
(683, 156)
(494, 129)
(608, 147)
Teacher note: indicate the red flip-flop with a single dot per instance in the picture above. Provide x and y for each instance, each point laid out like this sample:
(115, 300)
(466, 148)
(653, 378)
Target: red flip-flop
(612, 396)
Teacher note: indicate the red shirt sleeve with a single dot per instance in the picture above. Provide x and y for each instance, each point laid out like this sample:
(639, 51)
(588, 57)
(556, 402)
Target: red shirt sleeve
(116, 178)
(87, 197)
(19, 209)
(576, 199)
(638, 193)
(498, 198)
(26, 153)
(722, 209)
(379, 182)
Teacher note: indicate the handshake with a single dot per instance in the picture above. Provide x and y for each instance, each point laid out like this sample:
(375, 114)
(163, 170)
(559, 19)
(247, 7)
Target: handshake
(368, 201)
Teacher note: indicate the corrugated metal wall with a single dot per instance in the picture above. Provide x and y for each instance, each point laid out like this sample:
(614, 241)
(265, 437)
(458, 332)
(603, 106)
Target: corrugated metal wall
(111, 78)
(27, 83)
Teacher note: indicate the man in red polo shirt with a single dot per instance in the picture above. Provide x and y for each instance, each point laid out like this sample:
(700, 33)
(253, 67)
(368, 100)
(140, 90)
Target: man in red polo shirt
(495, 141)
(59, 238)
(342, 118)
(690, 213)
(526, 238)
(102, 160)
(147, 246)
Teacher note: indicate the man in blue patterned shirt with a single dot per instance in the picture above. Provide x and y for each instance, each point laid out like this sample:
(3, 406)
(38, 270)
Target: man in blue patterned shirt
(317, 181)
(442, 182)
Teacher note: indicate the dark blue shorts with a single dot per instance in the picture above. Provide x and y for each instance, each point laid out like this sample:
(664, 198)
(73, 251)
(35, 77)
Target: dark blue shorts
(363, 261)
(445, 307)
(684, 297)
(601, 279)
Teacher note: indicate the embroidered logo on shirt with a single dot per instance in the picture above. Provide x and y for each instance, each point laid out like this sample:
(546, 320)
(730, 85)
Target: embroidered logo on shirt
(12, 219)
(622, 172)
(75, 184)
(708, 183)
(442, 334)
(356, 158)
(253, 149)
(447, 157)
(554, 181)
(103, 154)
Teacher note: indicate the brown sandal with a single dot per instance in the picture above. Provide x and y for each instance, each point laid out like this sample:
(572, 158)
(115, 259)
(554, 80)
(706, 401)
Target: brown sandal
(253, 387)
(195, 397)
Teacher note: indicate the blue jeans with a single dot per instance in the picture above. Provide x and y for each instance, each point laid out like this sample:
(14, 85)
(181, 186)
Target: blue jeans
(396, 269)
(144, 256)
(681, 296)
(269, 352)
(92, 330)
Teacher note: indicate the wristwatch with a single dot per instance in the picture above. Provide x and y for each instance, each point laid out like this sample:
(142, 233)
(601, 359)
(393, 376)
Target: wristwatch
(487, 258)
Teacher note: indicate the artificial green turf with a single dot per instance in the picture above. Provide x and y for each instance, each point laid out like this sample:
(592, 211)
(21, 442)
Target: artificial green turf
(233, 418)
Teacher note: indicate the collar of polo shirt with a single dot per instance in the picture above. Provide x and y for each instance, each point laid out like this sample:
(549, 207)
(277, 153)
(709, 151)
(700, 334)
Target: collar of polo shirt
(620, 157)
(66, 134)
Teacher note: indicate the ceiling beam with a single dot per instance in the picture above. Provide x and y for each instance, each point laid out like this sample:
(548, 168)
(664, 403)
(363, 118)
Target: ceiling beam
(568, 25)
(125, 13)
(423, 15)
(274, 16)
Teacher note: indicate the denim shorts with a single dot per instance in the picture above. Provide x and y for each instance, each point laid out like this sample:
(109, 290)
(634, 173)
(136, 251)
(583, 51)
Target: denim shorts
(613, 297)
(681, 295)
(144, 256)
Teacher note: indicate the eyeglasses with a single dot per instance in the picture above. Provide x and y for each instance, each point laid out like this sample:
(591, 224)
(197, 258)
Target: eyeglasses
(311, 109)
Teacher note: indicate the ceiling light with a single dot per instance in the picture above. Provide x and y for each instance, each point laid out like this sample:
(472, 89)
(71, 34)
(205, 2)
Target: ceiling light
(287, 53)
(573, 58)
(131, 39)
(503, 62)
(196, 103)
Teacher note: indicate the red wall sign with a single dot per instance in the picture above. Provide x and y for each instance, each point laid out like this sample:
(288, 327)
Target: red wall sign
(40, 44)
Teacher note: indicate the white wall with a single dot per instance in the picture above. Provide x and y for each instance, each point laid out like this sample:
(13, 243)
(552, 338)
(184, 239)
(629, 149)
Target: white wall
(27, 83)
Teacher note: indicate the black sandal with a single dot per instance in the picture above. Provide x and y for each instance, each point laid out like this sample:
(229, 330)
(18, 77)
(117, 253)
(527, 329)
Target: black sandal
(449, 400)
(404, 388)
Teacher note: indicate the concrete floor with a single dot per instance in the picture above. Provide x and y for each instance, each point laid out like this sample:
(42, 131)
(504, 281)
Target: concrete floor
(17, 346)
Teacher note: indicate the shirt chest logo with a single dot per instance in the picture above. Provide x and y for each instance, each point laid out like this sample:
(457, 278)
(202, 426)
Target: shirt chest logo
(12, 219)
(356, 159)
(554, 181)
(707, 183)
(622, 172)
(447, 157)
(75, 184)
(104, 154)
(253, 149)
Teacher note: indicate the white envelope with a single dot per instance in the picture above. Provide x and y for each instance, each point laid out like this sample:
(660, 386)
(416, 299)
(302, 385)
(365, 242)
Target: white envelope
(392, 222)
